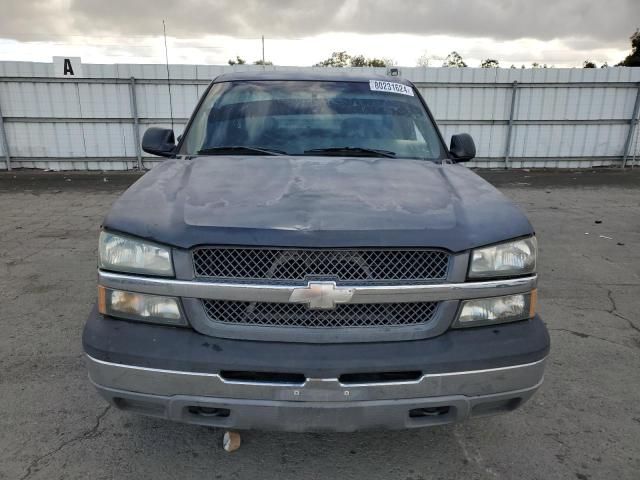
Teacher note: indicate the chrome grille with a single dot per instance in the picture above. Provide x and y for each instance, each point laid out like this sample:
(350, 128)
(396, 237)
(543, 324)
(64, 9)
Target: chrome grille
(341, 265)
(296, 315)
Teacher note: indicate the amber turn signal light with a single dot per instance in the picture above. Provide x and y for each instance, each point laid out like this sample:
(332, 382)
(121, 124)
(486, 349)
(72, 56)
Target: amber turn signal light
(533, 303)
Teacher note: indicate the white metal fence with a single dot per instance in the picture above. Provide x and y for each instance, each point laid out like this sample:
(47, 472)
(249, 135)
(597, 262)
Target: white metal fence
(517, 117)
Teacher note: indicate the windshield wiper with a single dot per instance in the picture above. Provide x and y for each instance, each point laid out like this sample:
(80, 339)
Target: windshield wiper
(240, 150)
(366, 152)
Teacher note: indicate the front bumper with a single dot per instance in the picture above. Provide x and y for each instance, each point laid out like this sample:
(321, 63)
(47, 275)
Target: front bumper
(317, 404)
(316, 416)
(173, 373)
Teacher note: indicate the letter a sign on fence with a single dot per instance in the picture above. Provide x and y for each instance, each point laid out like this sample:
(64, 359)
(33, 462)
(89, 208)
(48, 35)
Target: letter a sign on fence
(67, 67)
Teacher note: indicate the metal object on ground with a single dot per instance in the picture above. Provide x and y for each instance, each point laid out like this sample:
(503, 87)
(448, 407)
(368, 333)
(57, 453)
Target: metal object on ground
(231, 441)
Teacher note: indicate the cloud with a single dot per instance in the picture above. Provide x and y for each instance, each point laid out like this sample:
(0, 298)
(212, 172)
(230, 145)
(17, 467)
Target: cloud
(606, 23)
(33, 19)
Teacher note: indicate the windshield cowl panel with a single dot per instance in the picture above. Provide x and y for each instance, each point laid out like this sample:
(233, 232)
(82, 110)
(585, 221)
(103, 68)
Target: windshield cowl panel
(320, 118)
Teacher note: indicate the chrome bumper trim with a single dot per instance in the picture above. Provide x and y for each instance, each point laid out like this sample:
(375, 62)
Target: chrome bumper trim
(282, 293)
(169, 382)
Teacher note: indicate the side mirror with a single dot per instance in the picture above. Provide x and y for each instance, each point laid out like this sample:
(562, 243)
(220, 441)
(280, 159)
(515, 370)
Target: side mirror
(159, 141)
(462, 148)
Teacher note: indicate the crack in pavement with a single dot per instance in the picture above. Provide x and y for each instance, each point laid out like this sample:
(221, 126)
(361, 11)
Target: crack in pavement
(575, 307)
(614, 309)
(91, 433)
(472, 458)
(574, 282)
(556, 437)
(587, 335)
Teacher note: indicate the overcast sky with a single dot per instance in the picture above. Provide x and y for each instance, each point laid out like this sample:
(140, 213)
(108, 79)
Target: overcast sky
(556, 32)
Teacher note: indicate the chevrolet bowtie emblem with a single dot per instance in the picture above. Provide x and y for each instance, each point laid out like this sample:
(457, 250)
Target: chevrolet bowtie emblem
(321, 295)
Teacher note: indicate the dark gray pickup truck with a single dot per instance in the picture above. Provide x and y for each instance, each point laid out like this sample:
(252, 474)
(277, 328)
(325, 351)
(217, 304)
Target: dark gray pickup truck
(312, 257)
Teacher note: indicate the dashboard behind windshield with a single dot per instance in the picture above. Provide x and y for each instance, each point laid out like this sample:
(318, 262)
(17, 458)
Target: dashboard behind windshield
(309, 117)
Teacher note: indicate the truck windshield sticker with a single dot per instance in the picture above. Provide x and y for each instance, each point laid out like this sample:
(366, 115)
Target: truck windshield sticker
(393, 87)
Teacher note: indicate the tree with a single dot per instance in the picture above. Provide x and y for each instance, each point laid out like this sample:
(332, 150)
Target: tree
(376, 62)
(588, 64)
(337, 59)
(262, 62)
(237, 61)
(633, 59)
(490, 63)
(361, 61)
(454, 60)
(604, 65)
(423, 60)
(343, 59)
(358, 61)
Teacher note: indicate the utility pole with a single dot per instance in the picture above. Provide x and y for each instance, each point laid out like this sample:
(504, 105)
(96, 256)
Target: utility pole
(262, 49)
(166, 56)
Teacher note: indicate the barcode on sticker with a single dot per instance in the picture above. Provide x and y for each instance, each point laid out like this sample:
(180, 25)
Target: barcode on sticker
(393, 87)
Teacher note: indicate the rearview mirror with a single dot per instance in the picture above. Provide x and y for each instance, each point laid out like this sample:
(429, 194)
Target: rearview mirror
(462, 147)
(159, 141)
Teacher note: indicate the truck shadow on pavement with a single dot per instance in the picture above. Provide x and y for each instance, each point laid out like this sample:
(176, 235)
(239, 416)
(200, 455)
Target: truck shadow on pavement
(170, 449)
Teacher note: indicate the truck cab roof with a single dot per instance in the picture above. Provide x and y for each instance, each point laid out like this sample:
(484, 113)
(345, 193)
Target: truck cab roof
(320, 74)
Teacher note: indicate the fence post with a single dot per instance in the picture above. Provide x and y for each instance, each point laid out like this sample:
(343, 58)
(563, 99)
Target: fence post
(5, 143)
(136, 121)
(507, 147)
(632, 127)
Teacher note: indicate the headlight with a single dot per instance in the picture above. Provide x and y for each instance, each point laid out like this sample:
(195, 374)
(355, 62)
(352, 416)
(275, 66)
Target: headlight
(506, 259)
(139, 306)
(488, 311)
(125, 254)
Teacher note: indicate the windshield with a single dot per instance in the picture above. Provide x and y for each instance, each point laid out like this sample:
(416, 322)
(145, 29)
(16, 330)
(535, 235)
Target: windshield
(313, 118)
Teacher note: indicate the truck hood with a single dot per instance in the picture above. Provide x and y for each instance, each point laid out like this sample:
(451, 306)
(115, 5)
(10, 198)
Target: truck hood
(315, 202)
